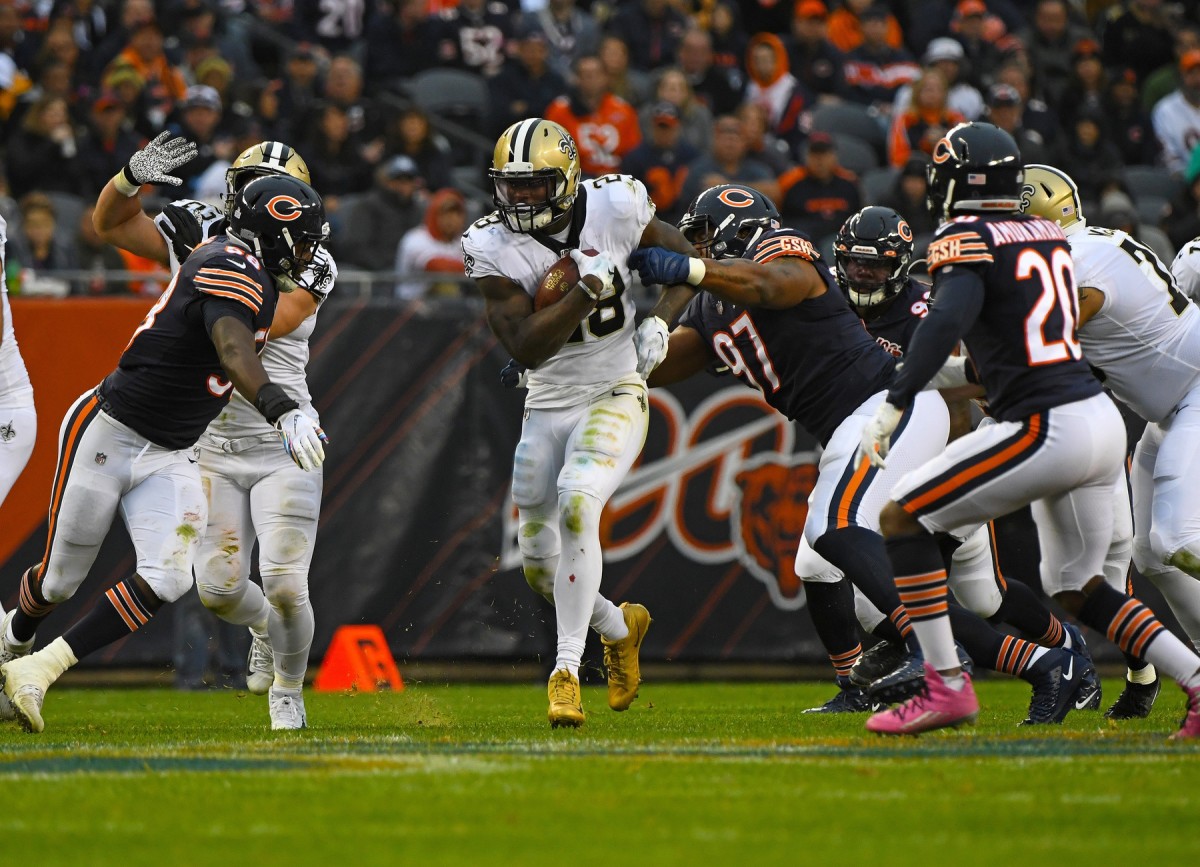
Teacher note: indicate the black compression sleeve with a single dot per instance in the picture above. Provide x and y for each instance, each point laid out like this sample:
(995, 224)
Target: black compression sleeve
(958, 300)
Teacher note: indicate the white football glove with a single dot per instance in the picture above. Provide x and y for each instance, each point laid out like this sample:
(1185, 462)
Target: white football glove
(302, 439)
(877, 435)
(650, 341)
(599, 266)
(152, 163)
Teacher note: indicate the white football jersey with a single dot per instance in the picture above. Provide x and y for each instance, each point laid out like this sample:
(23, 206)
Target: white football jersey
(15, 388)
(617, 210)
(285, 359)
(1146, 336)
(1186, 269)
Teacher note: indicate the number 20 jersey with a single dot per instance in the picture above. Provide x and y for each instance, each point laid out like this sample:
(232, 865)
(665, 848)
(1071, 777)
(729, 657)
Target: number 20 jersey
(610, 213)
(1145, 338)
(1023, 343)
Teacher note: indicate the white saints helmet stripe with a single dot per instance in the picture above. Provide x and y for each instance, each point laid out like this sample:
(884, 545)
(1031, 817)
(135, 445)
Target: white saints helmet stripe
(535, 173)
(518, 143)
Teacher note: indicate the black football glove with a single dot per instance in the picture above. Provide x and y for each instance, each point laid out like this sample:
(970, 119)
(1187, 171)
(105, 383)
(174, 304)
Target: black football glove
(514, 374)
(182, 230)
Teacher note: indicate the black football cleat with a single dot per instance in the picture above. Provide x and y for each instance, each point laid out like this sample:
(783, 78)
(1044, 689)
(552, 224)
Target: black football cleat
(1090, 693)
(1136, 700)
(906, 680)
(1057, 679)
(876, 661)
(850, 699)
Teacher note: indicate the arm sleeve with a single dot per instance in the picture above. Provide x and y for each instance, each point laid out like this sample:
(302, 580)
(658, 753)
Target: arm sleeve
(959, 297)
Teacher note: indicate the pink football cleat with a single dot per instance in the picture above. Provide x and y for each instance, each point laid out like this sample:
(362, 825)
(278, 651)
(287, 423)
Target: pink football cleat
(1190, 727)
(935, 707)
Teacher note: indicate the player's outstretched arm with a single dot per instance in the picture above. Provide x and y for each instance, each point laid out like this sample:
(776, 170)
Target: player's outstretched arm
(119, 218)
(687, 355)
(783, 282)
(302, 439)
(532, 338)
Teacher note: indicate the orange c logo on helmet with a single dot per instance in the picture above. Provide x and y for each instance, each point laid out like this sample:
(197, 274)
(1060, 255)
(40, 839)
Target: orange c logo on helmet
(942, 151)
(905, 231)
(736, 198)
(284, 208)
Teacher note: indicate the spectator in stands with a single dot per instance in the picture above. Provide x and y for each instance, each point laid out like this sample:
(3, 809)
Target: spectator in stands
(344, 87)
(371, 228)
(59, 47)
(99, 258)
(410, 134)
(216, 73)
(434, 248)
(133, 14)
(1176, 118)
(43, 154)
(762, 16)
(400, 43)
(570, 32)
(847, 25)
(337, 27)
(820, 195)
(474, 36)
(90, 22)
(604, 126)
(632, 85)
(1117, 211)
(907, 197)
(128, 87)
(1087, 84)
(772, 152)
(772, 85)
(728, 38)
(1137, 34)
(1035, 114)
(1006, 110)
(36, 245)
(695, 120)
(924, 121)
(1181, 222)
(946, 56)
(875, 70)
(199, 119)
(301, 90)
(336, 157)
(527, 83)
(109, 142)
(165, 84)
(977, 33)
(728, 163)
(1049, 40)
(52, 79)
(652, 30)
(718, 87)
(1132, 131)
(811, 56)
(1094, 161)
(1165, 78)
(661, 160)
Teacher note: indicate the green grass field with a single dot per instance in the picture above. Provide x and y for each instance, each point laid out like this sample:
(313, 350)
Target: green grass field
(692, 774)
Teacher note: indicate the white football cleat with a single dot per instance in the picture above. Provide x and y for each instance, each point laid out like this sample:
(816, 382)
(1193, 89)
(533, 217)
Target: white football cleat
(260, 664)
(287, 709)
(25, 681)
(9, 652)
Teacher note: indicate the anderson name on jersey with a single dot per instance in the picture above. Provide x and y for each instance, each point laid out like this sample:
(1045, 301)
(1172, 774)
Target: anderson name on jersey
(285, 358)
(610, 214)
(169, 383)
(813, 362)
(1145, 338)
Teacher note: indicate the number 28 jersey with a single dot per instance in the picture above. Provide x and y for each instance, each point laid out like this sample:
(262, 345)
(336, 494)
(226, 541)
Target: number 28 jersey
(610, 213)
(1024, 342)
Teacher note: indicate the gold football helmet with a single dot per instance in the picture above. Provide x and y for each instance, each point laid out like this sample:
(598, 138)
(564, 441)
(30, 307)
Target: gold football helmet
(1049, 192)
(535, 173)
(264, 158)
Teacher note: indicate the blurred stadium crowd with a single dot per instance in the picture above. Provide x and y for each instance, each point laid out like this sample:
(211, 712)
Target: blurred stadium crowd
(824, 106)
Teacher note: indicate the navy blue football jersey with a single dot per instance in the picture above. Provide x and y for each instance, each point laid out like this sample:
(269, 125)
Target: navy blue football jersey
(1023, 342)
(893, 329)
(813, 362)
(169, 383)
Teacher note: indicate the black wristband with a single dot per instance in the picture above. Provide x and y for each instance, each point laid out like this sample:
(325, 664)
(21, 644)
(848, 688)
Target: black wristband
(128, 175)
(272, 401)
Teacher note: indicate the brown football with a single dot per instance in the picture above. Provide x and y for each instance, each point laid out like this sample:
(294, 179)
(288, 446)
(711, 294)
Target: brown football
(558, 281)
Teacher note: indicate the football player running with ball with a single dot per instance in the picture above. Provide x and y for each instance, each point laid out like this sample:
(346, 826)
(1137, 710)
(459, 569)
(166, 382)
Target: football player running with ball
(586, 410)
(129, 445)
(253, 489)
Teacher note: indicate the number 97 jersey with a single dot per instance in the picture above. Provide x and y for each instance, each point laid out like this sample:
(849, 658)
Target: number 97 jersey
(609, 215)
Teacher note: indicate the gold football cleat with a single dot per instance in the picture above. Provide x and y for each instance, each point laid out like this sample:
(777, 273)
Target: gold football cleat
(566, 705)
(621, 657)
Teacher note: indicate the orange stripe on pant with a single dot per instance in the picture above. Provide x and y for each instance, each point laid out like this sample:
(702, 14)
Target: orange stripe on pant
(64, 470)
(847, 500)
(976, 470)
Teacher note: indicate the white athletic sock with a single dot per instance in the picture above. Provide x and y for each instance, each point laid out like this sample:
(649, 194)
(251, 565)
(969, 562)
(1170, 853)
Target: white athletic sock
(577, 581)
(937, 642)
(13, 645)
(955, 682)
(609, 620)
(1179, 661)
(1143, 676)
